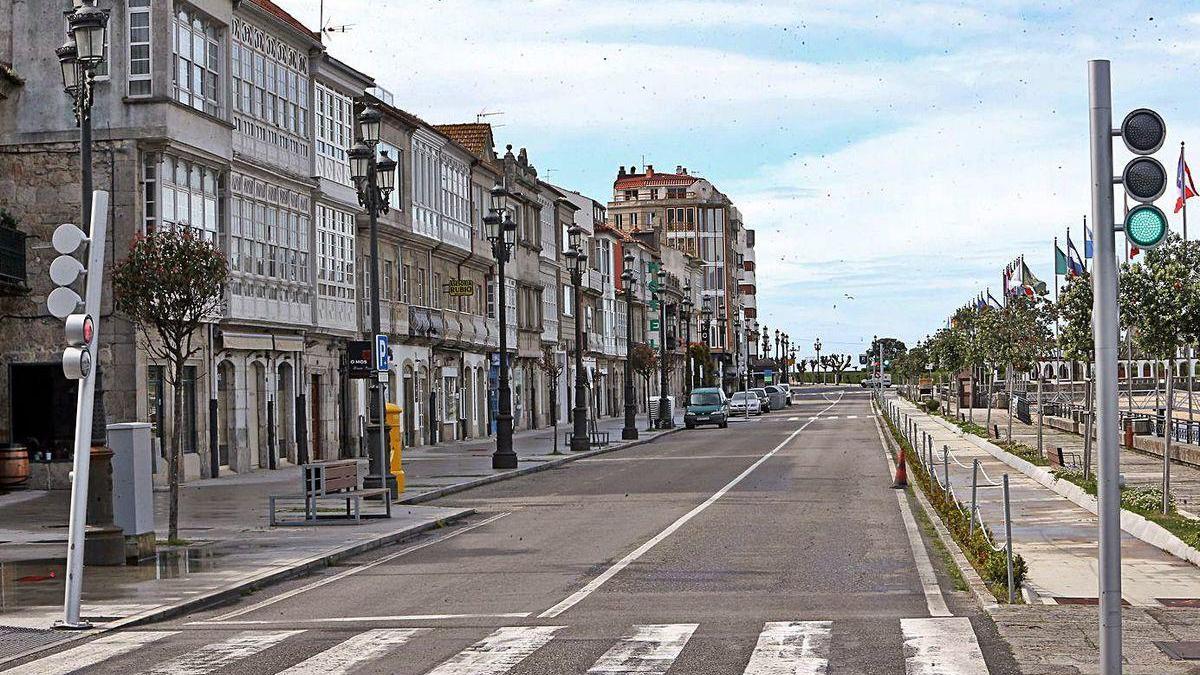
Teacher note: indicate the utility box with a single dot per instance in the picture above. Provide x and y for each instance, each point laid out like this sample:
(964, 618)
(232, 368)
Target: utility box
(133, 486)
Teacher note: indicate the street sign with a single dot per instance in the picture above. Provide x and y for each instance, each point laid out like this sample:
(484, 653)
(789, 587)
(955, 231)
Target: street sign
(382, 353)
(460, 288)
(653, 324)
(359, 355)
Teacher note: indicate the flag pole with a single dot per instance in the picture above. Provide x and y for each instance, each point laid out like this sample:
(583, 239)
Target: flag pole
(1056, 352)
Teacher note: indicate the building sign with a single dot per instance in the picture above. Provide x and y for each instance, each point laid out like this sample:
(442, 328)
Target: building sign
(460, 288)
(361, 361)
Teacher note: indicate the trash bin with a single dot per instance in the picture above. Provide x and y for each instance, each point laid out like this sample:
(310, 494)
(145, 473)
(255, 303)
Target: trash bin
(396, 443)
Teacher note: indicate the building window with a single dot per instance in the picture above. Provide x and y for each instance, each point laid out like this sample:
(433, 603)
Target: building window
(149, 191)
(406, 284)
(270, 85)
(631, 195)
(334, 119)
(269, 230)
(421, 287)
(436, 300)
(196, 40)
(491, 300)
(335, 253)
(139, 47)
(189, 195)
(386, 291)
(568, 307)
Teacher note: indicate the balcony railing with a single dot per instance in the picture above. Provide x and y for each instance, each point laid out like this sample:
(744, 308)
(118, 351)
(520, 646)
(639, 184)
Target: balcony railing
(12, 259)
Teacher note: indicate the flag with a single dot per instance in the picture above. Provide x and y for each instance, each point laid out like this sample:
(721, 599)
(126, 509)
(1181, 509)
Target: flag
(980, 303)
(993, 301)
(1134, 250)
(1031, 284)
(1183, 181)
(1087, 241)
(1074, 261)
(1060, 261)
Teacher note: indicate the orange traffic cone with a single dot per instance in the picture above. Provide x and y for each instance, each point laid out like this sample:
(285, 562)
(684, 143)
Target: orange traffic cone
(901, 480)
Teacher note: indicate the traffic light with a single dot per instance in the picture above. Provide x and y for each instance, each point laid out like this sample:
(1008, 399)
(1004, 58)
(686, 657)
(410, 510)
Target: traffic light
(65, 302)
(1144, 177)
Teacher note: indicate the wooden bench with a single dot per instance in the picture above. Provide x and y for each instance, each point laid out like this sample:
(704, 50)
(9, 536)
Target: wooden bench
(1059, 460)
(335, 479)
(596, 438)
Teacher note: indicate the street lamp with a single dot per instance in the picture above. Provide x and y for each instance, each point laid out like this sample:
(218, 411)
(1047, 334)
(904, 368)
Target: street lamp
(501, 232)
(629, 432)
(706, 314)
(374, 178)
(577, 263)
(685, 316)
(665, 420)
(817, 348)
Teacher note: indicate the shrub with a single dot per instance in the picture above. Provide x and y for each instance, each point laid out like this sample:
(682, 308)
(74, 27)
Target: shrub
(932, 405)
(1145, 498)
(995, 570)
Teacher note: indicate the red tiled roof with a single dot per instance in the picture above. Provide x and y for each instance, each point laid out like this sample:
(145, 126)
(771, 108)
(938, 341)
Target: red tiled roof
(638, 180)
(474, 136)
(282, 15)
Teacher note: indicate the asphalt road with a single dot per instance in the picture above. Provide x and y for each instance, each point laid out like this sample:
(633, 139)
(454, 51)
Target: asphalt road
(774, 546)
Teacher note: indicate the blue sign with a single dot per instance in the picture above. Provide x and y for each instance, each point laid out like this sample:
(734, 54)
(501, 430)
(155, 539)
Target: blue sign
(382, 353)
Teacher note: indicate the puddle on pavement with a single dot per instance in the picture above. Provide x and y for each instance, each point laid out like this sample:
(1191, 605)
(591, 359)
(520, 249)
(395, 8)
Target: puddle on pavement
(28, 583)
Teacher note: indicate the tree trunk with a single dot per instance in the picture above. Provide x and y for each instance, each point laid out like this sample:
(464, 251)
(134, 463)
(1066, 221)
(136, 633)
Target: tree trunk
(1087, 423)
(1008, 384)
(1167, 434)
(176, 447)
(971, 399)
(988, 402)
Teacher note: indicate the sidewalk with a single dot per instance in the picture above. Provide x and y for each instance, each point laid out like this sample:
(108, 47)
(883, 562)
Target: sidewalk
(233, 550)
(1056, 537)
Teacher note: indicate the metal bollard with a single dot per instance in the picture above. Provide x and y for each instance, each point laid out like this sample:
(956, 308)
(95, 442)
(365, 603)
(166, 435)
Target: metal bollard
(974, 495)
(1008, 540)
(946, 465)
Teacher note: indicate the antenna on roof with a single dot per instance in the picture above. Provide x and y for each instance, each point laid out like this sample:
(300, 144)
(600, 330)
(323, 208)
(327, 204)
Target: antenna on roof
(484, 113)
(330, 28)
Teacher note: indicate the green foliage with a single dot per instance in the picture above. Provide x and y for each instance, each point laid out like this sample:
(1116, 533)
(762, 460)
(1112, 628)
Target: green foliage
(1160, 297)
(1074, 309)
(892, 348)
(644, 358)
(932, 405)
(7, 220)
(995, 570)
(948, 350)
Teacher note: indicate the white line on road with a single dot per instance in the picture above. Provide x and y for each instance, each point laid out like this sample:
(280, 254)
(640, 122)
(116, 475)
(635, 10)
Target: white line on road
(348, 654)
(361, 619)
(929, 584)
(215, 656)
(945, 646)
(354, 570)
(78, 658)
(498, 652)
(650, 649)
(638, 552)
(791, 648)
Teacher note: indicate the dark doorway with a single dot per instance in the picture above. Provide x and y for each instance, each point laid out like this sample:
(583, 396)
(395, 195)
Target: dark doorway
(43, 408)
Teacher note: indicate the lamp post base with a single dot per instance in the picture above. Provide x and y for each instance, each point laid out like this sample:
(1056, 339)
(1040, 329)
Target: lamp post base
(504, 459)
(629, 434)
(378, 476)
(580, 444)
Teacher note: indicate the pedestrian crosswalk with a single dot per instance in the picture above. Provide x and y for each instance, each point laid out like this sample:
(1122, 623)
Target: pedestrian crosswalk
(932, 646)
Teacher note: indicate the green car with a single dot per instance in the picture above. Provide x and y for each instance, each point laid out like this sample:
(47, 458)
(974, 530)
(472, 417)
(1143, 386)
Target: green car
(707, 405)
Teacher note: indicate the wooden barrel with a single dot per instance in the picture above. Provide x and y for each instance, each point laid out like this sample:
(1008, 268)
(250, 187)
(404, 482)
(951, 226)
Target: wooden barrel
(14, 465)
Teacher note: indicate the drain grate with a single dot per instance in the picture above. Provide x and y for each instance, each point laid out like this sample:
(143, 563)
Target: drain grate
(1180, 651)
(15, 640)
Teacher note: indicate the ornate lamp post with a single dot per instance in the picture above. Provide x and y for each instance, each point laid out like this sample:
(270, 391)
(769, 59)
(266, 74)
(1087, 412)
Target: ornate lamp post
(501, 232)
(577, 261)
(685, 316)
(374, 179)
(665, 420)
(784, 355)
(817, 348)
(629, 432)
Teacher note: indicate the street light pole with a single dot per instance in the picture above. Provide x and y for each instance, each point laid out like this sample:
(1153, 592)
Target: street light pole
(817, 348)
(629, 432)
(374, 179)
(501, 232)
(577, 258)
(685, 316)
(665, 420)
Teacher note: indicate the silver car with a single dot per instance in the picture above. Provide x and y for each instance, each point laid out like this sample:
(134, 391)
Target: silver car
(777, 396)
(741, 400)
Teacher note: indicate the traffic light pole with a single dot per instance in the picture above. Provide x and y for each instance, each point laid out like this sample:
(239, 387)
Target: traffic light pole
(1106, 346)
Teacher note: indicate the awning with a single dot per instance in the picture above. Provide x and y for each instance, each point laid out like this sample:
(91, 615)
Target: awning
(247, 341)
(289, 343)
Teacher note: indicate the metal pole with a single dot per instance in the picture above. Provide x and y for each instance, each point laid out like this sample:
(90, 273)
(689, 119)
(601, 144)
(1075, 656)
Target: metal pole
(1168, 436)
(665, 415)
(946, 465)
(1041, 414)
(504, 457)
(974, 494)
(1106, 338)
(629, 432)
(1008, 549)
(381, 474)
(579, 437)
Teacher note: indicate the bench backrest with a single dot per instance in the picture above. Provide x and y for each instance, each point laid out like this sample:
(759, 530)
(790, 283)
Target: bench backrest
(1055, 458)
(322, 478)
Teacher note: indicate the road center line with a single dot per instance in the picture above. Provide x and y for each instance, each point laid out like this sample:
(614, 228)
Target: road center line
(929, 584)
(576, 597)
(354, 570)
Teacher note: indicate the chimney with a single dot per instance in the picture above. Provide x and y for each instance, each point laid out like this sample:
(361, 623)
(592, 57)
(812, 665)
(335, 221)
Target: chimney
(632, 169)
(684, 171)
(679, 168)
(649, 169)
(621, 172)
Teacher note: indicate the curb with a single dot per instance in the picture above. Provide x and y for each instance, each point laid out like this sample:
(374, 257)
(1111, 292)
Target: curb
(532, 468)
(253, 582)
(982, 595)
(1131, 523)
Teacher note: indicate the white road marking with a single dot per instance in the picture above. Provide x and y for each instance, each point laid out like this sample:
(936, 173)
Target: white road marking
(345, 656)
(498, 652)
(353, 570)
(791, 648)
(832, 417)
(638, 552)
(78, 658)
(218, 655)
(649, 649)
(851, 417)
(929, 584)
(361, 619)
(946, 646)
(793, 419)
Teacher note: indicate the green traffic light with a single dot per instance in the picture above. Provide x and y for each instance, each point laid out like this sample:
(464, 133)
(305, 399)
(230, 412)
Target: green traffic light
(1146, 226)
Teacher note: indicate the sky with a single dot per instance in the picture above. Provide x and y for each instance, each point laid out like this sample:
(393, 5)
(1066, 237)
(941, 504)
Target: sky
(892, 157)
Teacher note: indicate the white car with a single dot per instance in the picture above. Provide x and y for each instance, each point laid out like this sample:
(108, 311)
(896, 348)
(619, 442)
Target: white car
(739, 401)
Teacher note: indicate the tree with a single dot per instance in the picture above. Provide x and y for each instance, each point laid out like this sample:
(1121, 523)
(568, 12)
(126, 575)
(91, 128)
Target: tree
(702, 367)
(826, 364)
(1161, 300)
(840, 363)
(892, 348)
(168, 285)
(645, 362)
(1077, 343)
(1024, 337)
(947, 352)
(801, 366)
(553, 368)
(966, 322)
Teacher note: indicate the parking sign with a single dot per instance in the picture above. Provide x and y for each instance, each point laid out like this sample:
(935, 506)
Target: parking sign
(382, 353)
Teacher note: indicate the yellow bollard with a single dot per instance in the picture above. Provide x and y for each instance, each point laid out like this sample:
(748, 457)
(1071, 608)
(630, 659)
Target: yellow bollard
(396, 440)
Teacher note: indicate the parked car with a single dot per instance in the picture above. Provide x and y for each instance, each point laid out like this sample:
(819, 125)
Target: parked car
(763, 398)
(787, 388)
(887, 380)
(741, 400)
(870, 382)
(707, 405)
(777, 396)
